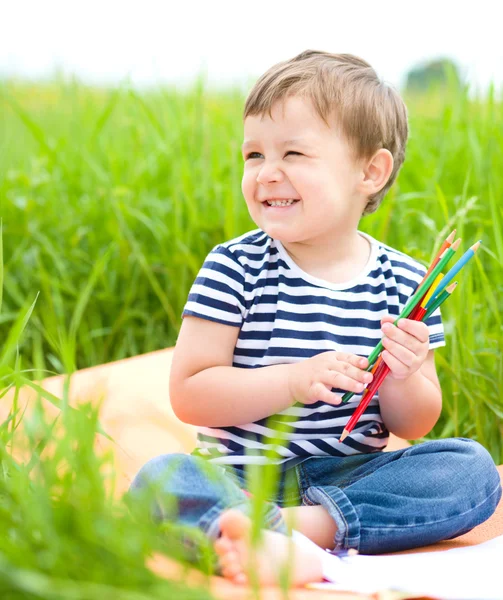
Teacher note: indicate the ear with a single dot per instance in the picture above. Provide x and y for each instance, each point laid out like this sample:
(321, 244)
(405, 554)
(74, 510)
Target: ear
(376, 172)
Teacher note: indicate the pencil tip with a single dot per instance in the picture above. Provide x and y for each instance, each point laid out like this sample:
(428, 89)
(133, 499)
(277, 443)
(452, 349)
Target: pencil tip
(475, 246)
(451, 237)
(450, 288)
(456, 244)
(344, 435)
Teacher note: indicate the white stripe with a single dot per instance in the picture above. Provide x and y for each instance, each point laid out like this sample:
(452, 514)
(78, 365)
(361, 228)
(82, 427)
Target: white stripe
(246, 460)
(215, 295)
(225, 435)
(208, 311)
(258, 247)
(341, 447)
(311, 448)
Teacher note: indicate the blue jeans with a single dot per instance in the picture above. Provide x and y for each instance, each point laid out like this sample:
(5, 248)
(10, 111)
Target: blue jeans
(380, 502)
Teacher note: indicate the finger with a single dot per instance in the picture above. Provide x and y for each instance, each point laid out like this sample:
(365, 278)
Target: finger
(321, 392)
(388, 319)
(397, 368)
(347, 377)
(401, 353)
(402, 337)
(353, 359)
(417, 329)
(337, 380)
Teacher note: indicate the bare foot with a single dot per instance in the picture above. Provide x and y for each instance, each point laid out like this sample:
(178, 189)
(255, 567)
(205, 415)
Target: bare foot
(275, 553)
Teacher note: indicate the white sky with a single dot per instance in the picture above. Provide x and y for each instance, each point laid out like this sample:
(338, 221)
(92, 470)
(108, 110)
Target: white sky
(236, 40)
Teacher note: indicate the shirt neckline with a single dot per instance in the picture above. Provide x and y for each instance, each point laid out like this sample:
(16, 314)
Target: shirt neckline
(329, 284)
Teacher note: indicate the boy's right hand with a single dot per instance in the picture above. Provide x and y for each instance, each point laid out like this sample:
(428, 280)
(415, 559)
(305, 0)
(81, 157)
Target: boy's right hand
(312, 379)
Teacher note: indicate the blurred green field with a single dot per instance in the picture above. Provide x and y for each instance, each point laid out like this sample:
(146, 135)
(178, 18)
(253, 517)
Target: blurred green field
(111, 199)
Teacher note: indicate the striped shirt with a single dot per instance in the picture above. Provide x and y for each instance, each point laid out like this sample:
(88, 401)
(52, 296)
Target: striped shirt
(286, 315)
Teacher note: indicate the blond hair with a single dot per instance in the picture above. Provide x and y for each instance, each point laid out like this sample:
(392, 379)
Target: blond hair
(369, 113)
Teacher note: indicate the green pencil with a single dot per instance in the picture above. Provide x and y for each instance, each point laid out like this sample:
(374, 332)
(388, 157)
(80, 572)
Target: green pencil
(411, 304)
(439, 300)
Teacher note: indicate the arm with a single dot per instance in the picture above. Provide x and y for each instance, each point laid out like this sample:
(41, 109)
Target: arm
(410, 407)
(205, 389)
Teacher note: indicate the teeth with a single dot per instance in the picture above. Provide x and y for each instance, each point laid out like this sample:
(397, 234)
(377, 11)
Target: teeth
(280, 202)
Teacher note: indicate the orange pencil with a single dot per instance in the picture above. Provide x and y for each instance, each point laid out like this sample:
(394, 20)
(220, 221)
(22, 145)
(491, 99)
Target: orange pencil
(447, 243)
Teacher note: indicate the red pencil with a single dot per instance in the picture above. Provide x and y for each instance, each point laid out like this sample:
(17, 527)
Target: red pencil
(380, 371)
(379, 376)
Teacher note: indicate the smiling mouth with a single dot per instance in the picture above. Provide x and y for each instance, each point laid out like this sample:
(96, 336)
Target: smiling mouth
(280, 203)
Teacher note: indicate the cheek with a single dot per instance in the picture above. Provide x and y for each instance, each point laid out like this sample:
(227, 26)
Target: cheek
(249, 190)
(314, 181)
(247, 185)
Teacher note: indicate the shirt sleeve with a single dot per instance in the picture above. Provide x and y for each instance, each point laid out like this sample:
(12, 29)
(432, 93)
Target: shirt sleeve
(436, 330)
(217, 294)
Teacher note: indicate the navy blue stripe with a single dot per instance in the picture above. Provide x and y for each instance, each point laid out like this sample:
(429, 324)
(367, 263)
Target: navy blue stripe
(314, 317)
(214, 303)
(192, 313)
(219, 267)
(313, 336)
(266, 287)
(219, 286)
(341, 410)
(323, 447)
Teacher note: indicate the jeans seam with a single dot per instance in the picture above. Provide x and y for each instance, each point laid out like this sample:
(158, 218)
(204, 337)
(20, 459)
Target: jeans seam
(343, 516)
(300, 471)
(273, 521)
(277, 522)
(297, 477)
(342, 537)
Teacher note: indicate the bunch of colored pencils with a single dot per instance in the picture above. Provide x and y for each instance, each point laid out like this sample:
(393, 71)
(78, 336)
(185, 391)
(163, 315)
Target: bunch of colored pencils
(430, 294)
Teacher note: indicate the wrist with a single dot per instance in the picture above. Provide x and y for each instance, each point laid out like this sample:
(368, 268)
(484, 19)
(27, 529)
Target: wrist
(293, 381)
(396, 384)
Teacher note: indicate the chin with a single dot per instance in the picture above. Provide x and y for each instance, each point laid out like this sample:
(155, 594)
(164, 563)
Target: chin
(282, 234)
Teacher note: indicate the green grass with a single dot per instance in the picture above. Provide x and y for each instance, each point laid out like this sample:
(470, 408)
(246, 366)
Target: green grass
(63, 535)
(110, 200)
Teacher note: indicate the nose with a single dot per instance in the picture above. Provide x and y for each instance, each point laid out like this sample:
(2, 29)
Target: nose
(270, 172)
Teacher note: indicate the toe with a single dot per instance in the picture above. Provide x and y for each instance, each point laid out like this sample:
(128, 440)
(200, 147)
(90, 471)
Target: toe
(232, 570)
(230, 565)
(222, 545)
(228, 559)
(241, 579)
(234, 524)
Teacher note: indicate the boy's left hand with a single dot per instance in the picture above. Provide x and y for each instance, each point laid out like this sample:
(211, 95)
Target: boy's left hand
(406, 345)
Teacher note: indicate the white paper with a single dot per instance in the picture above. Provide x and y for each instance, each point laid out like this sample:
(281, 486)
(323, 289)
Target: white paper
(468, 573)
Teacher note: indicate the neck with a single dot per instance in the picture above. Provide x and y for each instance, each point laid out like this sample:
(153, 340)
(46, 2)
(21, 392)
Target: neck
(340, 251)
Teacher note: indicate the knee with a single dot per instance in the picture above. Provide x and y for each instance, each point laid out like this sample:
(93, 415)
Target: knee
(477, 465)
(472, 454)
(155, 488)
(161, 467)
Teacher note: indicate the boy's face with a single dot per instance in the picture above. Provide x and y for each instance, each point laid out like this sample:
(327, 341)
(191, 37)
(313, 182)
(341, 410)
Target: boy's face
(317, 170)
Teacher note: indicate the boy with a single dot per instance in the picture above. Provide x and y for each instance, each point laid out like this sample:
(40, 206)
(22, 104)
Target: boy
(282, 316)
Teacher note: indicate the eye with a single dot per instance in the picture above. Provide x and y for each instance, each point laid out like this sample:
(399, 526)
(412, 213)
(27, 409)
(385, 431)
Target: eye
(250, 156)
